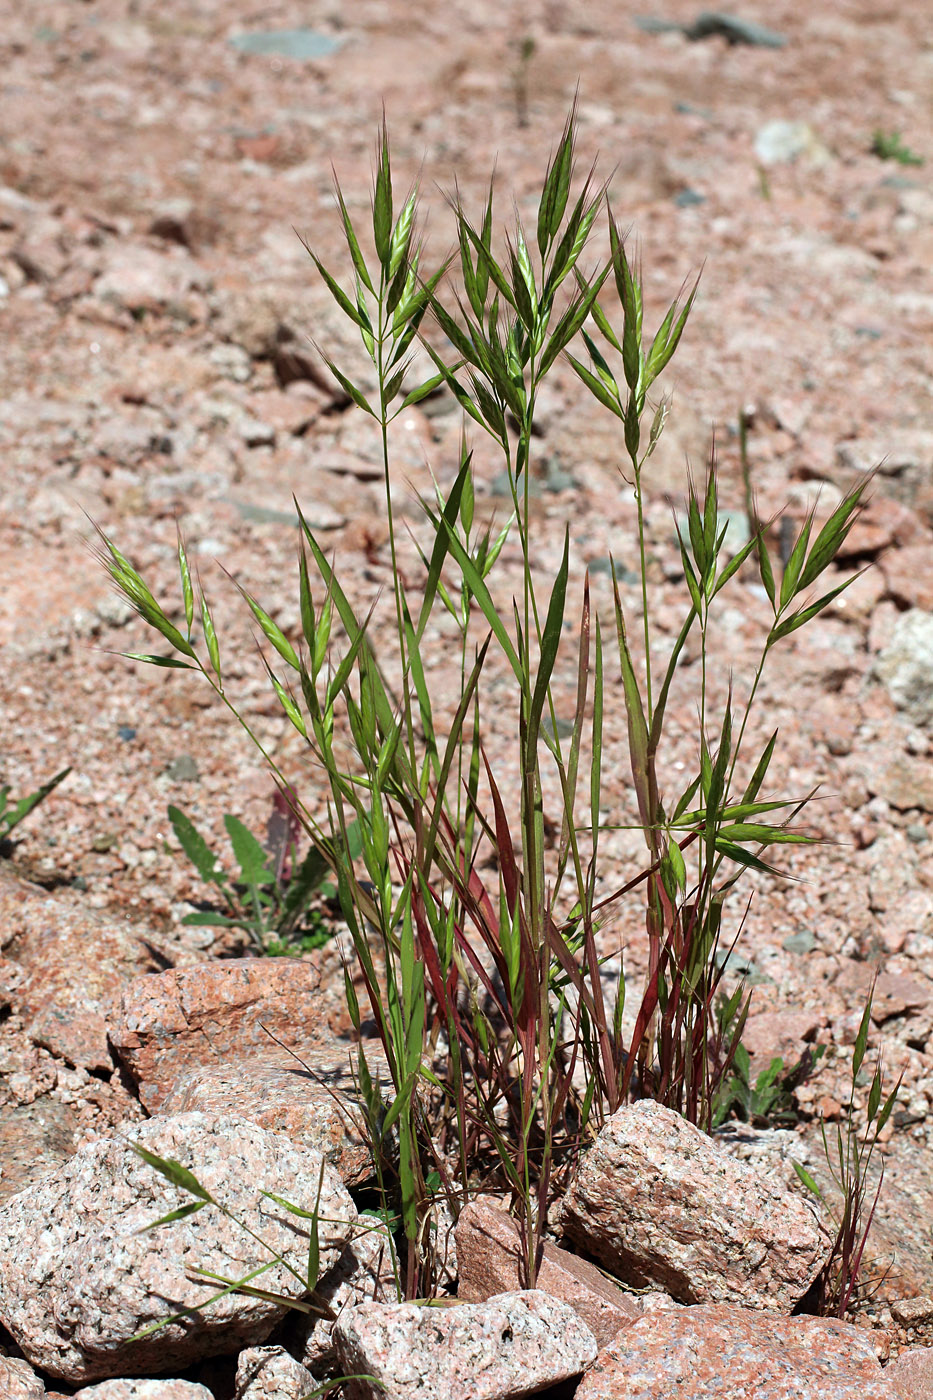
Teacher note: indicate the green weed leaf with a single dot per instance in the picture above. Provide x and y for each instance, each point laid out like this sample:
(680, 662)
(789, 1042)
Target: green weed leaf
(253, 860)
(195, 847)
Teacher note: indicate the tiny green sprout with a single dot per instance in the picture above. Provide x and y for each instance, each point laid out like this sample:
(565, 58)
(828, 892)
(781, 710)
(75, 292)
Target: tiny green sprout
(12, 813)
(890, 146)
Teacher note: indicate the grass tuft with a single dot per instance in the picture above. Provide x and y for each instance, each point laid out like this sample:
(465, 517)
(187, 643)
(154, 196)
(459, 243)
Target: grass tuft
(506, 1048)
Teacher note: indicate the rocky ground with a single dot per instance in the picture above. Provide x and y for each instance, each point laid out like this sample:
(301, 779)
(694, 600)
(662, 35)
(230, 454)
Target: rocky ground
(155, 171)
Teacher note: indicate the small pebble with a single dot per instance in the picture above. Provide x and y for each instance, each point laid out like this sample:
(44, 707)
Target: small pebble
(182, 769)
(802, 942)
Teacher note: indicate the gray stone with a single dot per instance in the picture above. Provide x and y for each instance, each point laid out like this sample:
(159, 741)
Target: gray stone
(659, 1203)
(183, 769)
(81, 1272)
(802, 942)
(905, 665)
(300, 44)
(512, 1345)
(713, 23)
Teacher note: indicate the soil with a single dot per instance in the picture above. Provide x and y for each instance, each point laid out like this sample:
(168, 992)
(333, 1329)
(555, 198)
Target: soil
(157, 301)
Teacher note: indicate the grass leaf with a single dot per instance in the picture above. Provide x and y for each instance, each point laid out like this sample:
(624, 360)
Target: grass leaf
(483, 597)
(174, 1172)
(556, 189)
(833, 534)
(9, 818)
(550, 644)
(349, 387)
(187, 589)
(637, 724)
(349, 308)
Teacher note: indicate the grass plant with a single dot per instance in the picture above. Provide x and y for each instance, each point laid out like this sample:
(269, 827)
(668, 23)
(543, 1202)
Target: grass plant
(506, 1047)
(849, 1159)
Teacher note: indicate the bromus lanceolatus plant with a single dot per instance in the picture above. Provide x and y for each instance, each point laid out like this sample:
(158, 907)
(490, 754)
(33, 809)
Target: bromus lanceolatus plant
(506, 1047)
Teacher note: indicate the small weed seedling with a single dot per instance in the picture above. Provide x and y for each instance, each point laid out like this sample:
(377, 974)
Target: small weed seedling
(889, 146)
(12, 813)
(278, 901)
(770, 1099)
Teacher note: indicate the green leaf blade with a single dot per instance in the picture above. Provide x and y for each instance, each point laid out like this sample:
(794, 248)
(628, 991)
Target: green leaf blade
(253, 860)
(195, 847)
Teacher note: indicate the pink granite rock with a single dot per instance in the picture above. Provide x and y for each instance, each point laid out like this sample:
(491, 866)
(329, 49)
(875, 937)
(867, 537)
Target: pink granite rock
(141, 278)
(511, 1345)
(18, 1381)
(659, 1203)
(314, 1102)
(910, 1375)
(169, 1022)
(714, 1352)
(912, 1312)
(489, 1262)
(65, 964)
(783, 1033)
(81, 1274)
(270, 1373)
(144, 1390)
(908, 573)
